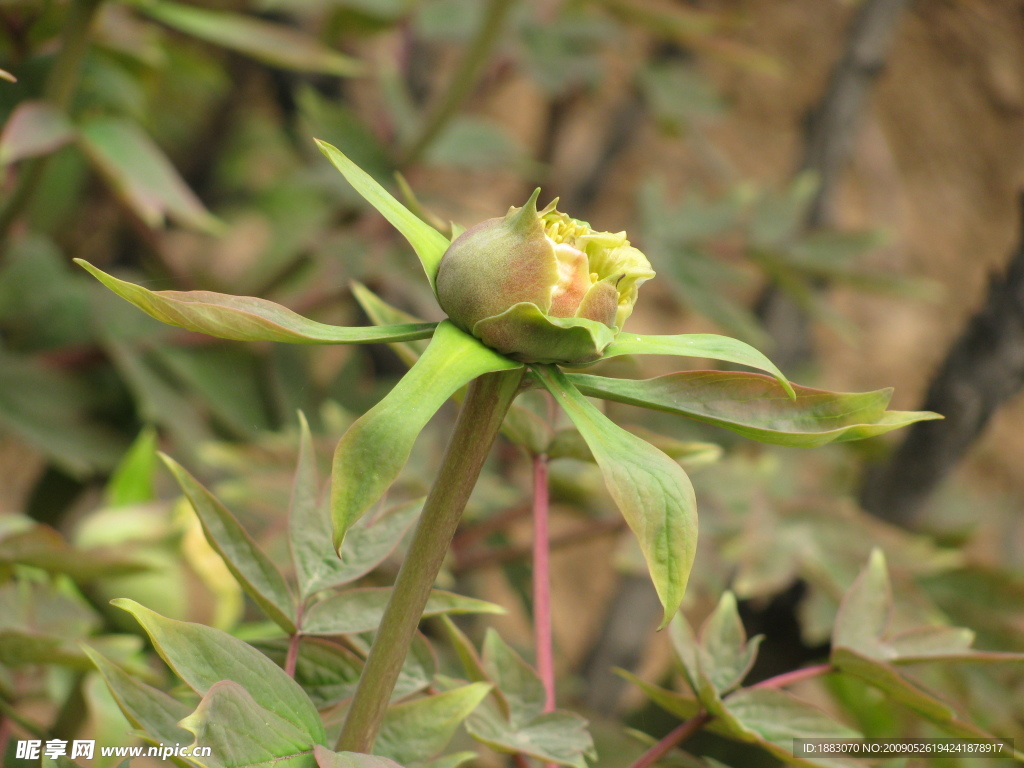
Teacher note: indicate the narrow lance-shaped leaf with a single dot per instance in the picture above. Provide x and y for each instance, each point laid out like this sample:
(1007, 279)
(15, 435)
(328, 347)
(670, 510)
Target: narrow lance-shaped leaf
(428, 243)
(243, 734)
(308, 529)
(374, 449)
(272, 44)
(247, 562)
(652, 491)
(141, 175)
(34, 128)
(707, 345)
(755, 406)
(203, 656)
(246, 318)
(361, 610)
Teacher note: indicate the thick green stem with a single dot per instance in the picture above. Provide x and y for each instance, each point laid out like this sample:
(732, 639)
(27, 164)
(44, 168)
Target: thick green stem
(59, 88)
(479, 420)
(463, 81)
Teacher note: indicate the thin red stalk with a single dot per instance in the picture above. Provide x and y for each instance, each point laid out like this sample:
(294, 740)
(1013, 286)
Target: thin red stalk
(796, 676)
(542, 581)
(674, 738)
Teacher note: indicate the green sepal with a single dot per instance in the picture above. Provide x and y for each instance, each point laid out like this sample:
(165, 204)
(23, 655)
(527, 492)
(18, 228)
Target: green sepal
(652, 491)
(428, 243)
(246, 318)
(708, 345)
(756, 406)
(537, 338)
(375, 448)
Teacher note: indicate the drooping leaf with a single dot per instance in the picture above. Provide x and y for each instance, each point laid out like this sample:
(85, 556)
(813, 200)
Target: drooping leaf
(273, 44)
(327, 759)
(428, 243)
(34, 128)
(246, 318)
(756, 407)
(772, 719)
(141, 175)
(422, 728)
(132, 481)
(360, 610)
(652, 491)
(147, 708)
(247, 562)
(243, 734)
(705, 345)
(202, 656)
(374, 449)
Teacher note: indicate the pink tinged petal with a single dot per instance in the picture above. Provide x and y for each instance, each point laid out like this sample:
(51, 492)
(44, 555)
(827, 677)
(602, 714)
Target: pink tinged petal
(601, 303)
(573, 281)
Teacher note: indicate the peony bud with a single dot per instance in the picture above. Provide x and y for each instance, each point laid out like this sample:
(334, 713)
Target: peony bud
(541, 287)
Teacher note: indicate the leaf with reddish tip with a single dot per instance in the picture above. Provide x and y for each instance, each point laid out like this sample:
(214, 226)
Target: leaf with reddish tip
(757, 407)
(34, 128)
(245, 318)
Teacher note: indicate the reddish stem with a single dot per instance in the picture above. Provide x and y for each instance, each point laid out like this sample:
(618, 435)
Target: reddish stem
(542, 581)
(292, 658)
(796, 676)
(674, 738)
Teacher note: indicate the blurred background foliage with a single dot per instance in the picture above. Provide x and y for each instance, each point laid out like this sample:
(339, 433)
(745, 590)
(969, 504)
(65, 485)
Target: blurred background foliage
(171, 144)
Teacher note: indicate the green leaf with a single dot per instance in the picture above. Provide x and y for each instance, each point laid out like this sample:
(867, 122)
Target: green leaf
(420, 729)
(756, 407)
(245, 318)
(142, 176)
(518, 685)
(327, 759)
(557, 737)
(374, 449)
(148, 709)
(772, 719)
(724, 641)
(202, 656)
(707, 345)
(34, 128)
(652, 491)
(863, 615)
(382, 313)
(273, 44)
(428, 243)
(247, 562)
(132, 481)
(308, 528)
(682, 706)
(360, 610)
(243, 734)
(42, 547)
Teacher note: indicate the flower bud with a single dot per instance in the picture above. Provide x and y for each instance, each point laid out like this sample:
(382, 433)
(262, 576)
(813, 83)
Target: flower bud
(539, 286)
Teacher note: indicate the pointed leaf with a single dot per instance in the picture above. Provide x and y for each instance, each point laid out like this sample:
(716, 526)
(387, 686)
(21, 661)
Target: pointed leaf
(142, 176)
(327, 759)
(555, 737)
(148, 709)
(327, 671)
(374, 449)
(729, 656)
(772, 719)
(242, 734)
(202, 656)
(273, 44)
(652, 491)
(705, 345)
(682, 706)
(34, 128)
(421, 729)
(132, 481)
(382, 313)
(245, 318)
(756, 407)
(428, 243)
(360, 610)
(308, 528)
(519, 684)
(247, 562)
(863, 614)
